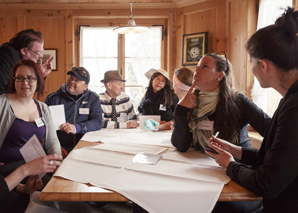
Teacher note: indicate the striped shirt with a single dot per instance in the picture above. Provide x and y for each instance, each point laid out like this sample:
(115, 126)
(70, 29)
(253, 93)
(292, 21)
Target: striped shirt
(124, 109)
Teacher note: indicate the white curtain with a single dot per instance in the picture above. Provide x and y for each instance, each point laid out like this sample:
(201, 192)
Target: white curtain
(269, 11)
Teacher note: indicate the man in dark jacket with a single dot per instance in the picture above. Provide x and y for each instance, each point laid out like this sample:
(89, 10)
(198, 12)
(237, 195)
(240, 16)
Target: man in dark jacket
(82, 108)
(26, 44)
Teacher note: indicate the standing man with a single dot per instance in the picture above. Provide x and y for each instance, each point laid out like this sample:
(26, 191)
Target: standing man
(27, 44)
(82, 108)
(116, 105)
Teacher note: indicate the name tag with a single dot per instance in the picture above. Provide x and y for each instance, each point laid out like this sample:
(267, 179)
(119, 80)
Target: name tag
(206, 125)
(84, 111)
(85, 102)
(122, 115)
(39, 122)
(162, 107)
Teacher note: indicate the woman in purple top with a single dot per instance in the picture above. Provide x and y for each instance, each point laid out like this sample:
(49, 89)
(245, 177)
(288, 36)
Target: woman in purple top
(21, 116)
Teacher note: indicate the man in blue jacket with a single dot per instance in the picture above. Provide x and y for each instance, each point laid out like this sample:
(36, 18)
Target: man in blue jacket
(82, 108)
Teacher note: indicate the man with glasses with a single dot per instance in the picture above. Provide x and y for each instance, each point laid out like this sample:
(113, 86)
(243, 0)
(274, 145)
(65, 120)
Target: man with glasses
(27, 44)
(82, 108)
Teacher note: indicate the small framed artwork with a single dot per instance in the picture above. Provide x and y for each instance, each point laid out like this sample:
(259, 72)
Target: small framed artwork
(194, 46)
(50, 52)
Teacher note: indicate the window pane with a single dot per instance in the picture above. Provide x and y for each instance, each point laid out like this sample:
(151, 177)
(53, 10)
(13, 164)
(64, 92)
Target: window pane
(142, 52)
(98, 53)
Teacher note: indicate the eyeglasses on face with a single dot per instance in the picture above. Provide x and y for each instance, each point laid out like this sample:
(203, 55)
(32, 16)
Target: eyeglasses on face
(221, 54)
(29, 79)
(38, 54)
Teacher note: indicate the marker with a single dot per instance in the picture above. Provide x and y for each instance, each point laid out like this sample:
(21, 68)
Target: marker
(216, 134)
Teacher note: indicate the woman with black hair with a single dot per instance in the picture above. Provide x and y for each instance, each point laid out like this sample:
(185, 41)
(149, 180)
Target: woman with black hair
(272, 171)
(159, 98)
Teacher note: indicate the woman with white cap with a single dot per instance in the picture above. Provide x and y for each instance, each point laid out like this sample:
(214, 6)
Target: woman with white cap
(159, 98)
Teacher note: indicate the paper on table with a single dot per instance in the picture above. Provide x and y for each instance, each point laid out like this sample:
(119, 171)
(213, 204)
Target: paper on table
(107, 134)
(147, 158)
(58, 115)
(154, 192)
(32, 150)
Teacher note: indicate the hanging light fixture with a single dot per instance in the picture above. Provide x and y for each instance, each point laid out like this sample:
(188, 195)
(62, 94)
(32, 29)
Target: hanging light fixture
(131, 25)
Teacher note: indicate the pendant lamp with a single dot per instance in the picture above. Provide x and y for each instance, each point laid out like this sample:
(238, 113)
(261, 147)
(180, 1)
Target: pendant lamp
(131, 26)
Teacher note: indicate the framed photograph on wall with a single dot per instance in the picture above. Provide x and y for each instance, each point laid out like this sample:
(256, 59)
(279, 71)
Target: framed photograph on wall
(50, 52)
(194, 46)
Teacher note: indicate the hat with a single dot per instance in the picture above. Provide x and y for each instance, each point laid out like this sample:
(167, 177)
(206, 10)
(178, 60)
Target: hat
(81, 73)
(149, 74)
(112, 75)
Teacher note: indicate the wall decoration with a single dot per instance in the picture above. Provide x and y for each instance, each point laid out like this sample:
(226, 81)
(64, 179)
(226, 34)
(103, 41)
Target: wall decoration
(52, 53)
(194, 46)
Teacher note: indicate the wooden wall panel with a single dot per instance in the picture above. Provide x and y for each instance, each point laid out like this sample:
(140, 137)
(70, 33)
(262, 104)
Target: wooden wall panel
(203, 17)
(8, 26)
(53, 29)
(228, 23)
(241, 25)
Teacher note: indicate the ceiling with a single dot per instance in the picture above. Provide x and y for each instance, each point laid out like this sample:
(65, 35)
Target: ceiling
(124, 3)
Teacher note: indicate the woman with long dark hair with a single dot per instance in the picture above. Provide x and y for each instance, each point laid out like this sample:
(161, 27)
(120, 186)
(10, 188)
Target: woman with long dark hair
(272, 171)
(217, 107)
(159, 98)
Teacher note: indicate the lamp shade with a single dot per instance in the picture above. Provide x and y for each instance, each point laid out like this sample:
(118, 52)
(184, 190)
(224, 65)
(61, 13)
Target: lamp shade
(131, 27)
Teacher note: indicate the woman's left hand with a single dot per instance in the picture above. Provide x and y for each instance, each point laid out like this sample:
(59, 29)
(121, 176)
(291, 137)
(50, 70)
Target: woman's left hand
(223, 158)
(34, 183)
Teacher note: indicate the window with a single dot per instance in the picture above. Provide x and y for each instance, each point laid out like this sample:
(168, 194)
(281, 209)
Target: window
(269, 11)
(99, 53)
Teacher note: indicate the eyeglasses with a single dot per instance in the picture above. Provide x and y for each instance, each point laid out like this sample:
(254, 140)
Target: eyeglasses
(223, 54)
(83, 73)
(29, 79)
(36, 52)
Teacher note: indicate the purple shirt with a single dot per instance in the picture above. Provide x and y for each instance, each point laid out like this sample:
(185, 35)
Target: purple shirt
(19, 133)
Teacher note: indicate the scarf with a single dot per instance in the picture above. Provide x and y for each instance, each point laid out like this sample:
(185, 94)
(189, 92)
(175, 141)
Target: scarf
(207, 105)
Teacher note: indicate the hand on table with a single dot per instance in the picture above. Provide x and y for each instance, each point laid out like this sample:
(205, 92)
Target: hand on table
(46, 67)
(132, 124)
(68, 128)
(163, 125)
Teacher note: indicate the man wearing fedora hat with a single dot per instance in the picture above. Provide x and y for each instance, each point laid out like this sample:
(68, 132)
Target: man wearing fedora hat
(116, 105)
(82, 108)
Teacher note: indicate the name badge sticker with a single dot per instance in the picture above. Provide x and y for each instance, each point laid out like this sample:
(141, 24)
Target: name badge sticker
(162, 107)
(122, 115)
(84, 111)
(206, 125)
(39, 122)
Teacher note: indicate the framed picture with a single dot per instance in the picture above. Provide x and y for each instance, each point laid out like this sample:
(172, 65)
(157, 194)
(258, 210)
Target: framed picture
(194, 46)
(50, 52)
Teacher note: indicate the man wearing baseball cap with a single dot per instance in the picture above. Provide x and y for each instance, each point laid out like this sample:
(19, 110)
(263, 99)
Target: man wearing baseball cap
(116, 105)
(82, 108)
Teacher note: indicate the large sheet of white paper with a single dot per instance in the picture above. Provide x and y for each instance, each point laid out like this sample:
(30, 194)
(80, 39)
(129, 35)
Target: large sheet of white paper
(58, 115)
(107, 134)
(154, 192)
(125, 136)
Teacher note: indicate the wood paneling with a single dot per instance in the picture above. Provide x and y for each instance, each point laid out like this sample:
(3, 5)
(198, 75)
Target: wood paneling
(228, 23)
(208, 17)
